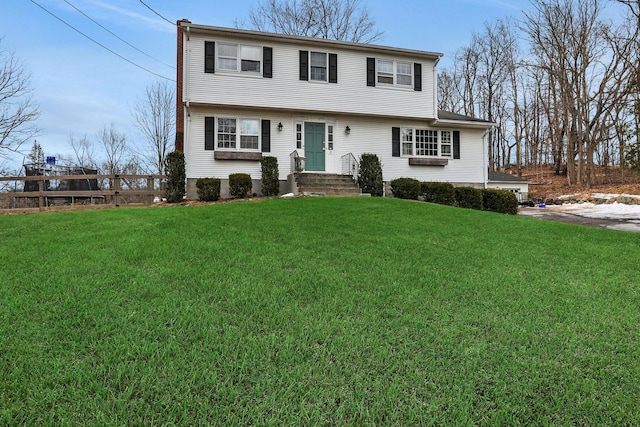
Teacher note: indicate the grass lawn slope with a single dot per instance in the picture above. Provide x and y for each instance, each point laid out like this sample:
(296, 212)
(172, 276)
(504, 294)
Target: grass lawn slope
(322, 311)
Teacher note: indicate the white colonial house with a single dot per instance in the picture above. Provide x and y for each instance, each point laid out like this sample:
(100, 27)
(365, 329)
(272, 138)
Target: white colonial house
(243, 94)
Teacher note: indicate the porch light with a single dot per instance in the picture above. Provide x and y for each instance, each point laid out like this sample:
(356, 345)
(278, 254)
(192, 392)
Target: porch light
(280, 126)
(347, 130)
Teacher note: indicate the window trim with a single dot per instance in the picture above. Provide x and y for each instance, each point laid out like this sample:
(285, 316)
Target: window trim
(415, 131)
(238, 135)
(238, 58)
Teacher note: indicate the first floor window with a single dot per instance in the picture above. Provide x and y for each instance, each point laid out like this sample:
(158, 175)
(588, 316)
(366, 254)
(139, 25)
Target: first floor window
(446, 142)
(407, 142)
(249, 134)
(426, 142)
(243, 134)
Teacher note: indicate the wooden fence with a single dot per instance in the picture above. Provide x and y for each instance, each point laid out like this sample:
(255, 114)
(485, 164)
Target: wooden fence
(121, 189)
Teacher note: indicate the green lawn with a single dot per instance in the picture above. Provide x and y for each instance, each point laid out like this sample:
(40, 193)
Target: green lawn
(317, 311)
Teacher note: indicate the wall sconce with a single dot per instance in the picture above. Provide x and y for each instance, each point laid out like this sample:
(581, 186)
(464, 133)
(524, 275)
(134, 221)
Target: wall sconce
(347, 130)
(280, 126)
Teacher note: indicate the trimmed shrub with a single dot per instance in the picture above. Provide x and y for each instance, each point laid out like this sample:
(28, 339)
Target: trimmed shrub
(406, 188)
(208, 189)
(240, 185)
(442, 193)
(270, 176)
(468, 197)
(503, 201)
(174, 167)
(370, 175)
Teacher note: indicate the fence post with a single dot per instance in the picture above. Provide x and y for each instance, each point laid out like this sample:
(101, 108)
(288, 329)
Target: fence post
(116, 188)
(150, 187)
(41, 194)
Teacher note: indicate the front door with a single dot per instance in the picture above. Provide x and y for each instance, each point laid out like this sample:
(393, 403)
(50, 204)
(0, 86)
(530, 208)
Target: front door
(314, 146)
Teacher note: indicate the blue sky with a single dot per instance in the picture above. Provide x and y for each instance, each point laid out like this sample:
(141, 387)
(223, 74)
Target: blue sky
(82, 88)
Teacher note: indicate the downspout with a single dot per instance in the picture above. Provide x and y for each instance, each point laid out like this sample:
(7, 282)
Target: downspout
(435, 88)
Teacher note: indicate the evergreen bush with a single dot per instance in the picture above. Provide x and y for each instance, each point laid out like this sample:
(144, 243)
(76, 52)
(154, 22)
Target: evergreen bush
(442, 193)
(370, 175)
(468, 197)
(174, 168)
(208, 189)
(406, 188)
(503, 201)
(240, 185)
(270, 176)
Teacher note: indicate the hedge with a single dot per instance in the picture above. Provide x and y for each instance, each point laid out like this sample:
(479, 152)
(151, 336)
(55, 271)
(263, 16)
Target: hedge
(208, 189)
(240, 185)
(406, 188)
(175, 170)
(370, 175)
(442, 193)
(468, 197)
(503, 201)
(270, 176)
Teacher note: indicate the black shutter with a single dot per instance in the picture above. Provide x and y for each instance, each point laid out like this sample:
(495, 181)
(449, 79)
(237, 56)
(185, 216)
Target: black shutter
(333, 68)
(304, 65)
(395, 142)
(267, 62)
(371, 71)
(417, 77)
(209, 133)
(266, 136)
(456, 144)
(209, 57)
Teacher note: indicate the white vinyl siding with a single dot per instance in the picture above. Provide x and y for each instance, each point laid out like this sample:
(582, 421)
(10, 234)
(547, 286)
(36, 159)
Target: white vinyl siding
(286, 91)
(368, 135)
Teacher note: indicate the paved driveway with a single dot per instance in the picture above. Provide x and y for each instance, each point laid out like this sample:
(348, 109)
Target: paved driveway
(556, 214)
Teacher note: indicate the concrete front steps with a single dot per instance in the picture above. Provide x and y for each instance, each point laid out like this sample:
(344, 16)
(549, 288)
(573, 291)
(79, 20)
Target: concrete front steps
(320, 184)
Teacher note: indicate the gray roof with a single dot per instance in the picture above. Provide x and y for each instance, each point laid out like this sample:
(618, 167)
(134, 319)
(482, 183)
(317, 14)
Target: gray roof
(447, 115)
(308, 40)
(502, 177)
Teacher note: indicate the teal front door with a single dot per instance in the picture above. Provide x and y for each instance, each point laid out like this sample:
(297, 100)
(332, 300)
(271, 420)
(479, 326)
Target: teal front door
(314, 146)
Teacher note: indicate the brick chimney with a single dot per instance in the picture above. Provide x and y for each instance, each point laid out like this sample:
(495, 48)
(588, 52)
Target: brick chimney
(179, 143)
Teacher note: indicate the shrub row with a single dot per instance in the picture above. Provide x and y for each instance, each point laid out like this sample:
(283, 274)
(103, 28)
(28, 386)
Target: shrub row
(240, 184)
(444, 193)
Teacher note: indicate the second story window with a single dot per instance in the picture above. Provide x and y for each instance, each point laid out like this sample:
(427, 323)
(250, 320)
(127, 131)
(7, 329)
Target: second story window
(394, 73)
(239, 58)
(388, 72)
(318, 66)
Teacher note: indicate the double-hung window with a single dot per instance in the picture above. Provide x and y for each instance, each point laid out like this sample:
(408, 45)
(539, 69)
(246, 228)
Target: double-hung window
(318, 64)
(239, 58)
(238, 134)
(394, 73)
(426, 142)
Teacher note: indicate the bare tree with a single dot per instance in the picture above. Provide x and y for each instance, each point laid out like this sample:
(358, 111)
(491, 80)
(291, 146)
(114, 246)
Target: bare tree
(115, 149)
(83, 151)
(154, 115)
(17, 110)
(346, 20)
